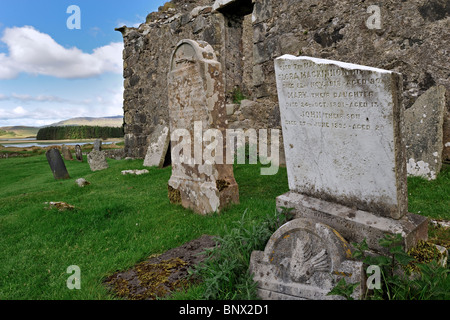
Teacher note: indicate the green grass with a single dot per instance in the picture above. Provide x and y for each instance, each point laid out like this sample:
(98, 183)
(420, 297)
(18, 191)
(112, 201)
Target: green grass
(119, 221)
(431, 198)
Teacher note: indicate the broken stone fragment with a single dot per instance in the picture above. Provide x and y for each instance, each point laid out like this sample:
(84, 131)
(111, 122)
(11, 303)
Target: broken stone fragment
(136, 172)
(81, 182)
(61, 206)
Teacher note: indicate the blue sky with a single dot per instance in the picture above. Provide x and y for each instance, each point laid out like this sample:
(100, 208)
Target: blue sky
(49, 72)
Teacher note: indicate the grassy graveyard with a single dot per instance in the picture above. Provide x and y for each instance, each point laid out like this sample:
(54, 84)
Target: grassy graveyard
(120, 220)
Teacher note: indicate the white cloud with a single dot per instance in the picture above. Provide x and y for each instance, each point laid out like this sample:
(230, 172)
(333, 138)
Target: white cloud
(34, 52)
(50, 109)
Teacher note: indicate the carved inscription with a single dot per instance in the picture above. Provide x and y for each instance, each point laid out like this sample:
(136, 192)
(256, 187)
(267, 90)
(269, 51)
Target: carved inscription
(332, 98)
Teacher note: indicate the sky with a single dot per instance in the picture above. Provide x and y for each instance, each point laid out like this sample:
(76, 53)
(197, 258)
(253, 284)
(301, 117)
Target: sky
(59, 62)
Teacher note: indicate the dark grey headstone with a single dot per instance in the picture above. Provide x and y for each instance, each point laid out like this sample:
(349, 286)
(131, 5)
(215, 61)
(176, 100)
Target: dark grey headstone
(79, 153)
(57, 165)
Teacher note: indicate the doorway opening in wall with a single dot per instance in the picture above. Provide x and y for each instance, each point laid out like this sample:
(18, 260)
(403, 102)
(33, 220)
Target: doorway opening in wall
(238, 49)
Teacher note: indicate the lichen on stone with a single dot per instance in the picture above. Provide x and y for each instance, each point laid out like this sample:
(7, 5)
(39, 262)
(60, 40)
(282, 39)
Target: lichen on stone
(424, 252)
(154, 280)
(222, 185)
(174, 195)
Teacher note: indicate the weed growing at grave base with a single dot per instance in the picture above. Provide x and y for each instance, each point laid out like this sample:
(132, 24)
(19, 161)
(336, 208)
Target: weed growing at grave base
(415, 275)
(225, 271)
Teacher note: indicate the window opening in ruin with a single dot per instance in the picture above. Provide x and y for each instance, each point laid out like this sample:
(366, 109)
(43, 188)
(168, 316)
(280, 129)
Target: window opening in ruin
(238, 68)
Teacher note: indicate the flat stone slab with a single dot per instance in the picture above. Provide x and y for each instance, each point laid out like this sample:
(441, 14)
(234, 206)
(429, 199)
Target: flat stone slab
(356, 225)
(304, 259)
(158, 147)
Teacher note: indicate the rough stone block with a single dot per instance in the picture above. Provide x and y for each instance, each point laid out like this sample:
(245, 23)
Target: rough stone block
(356, 225)
(424, 133)
(97, 160)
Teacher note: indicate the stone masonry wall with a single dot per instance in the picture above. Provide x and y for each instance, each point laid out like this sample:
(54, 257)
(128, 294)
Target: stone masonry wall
(413, 40)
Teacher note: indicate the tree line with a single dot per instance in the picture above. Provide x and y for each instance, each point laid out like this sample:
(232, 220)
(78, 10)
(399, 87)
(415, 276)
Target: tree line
(79, 132)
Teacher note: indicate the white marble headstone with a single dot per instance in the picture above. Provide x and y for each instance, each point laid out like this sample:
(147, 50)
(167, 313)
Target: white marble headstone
(342, 128)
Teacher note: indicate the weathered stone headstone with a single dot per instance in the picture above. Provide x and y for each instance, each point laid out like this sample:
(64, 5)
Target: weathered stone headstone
(57, 165)
(97, 160)
(345, 153)
(98, 145)
(67, 154)
(346, 163)
(342, 130)
(424, 134)
(158, 147)
(304, 259)
(197, 103)
(79, 153)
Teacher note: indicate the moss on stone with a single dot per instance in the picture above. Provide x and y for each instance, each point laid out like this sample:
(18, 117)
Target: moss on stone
(174, 195)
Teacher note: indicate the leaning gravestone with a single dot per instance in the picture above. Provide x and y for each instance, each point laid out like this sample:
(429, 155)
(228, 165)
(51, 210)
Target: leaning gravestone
(345, 154)
(57, 165)
(67, 154)
(197, 103)
(158, 147)
(424, 134)
(79, 153)
(97, 160)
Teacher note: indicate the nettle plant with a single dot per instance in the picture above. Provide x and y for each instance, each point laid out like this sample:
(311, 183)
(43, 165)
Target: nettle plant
(400, 275)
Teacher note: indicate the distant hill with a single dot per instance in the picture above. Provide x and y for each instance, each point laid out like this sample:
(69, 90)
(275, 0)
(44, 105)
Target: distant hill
(115, 121)
(17, 132)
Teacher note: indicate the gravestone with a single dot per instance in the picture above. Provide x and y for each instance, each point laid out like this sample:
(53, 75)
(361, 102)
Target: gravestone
(79, 153)
(57, 165)
(197, 103)
(67, 154)
(424, 134)
(97, 160)
(343, 128)
(158, 147)
(346, 163)
(98, 145)
(304, 259)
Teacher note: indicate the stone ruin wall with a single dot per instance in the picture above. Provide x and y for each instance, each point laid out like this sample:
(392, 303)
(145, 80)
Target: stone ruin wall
(247, 36)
